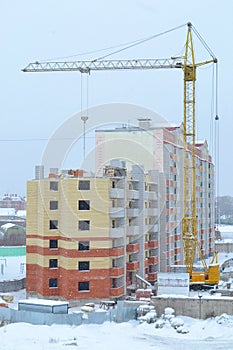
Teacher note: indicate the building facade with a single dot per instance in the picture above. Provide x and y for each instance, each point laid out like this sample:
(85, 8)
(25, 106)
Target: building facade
(95, 236)
(161, 148)
(90, 237)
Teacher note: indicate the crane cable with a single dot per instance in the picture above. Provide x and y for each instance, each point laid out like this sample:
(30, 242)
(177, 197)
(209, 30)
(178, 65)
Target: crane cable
(139, 42)
(217, 153)
(215, 130)
(206, 46)
(129, 43)
(84, 118)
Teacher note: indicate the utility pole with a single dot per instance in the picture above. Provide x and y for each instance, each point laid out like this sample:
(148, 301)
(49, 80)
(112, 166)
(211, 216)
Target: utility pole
(199, 296)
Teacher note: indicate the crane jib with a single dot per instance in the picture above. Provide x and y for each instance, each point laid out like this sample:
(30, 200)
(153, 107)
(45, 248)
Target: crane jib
(87, 66)
(188, 65)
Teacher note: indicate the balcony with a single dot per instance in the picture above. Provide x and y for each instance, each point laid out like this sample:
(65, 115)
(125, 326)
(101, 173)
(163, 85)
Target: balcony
(117, 271)
(117, 212)
(117, 292)
(132, 212)
(152, 195)
(146, 263)
(146, 195)
(155, 228)
(132, 247)
(153, 260)
(152, 211)
(117, 251)
(116, 193)
(152, 276)
(132, 194)
(177, 250)
(146, 246)
(153, 244)
(132, 230)
(117, 232)
(133, 266)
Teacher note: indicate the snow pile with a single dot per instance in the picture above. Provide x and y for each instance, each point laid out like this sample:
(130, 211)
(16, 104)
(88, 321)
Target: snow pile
(148, 314)
(87, 308)
(168, 320)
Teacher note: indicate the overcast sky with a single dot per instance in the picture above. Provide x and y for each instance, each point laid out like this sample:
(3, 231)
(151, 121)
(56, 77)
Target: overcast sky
(34, 105)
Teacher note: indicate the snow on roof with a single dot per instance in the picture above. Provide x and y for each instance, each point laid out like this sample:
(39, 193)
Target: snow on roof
(42, 302)
(226, 232)
(173, 275)
(21, 213)
(222, 257)
(203, 296)
(6, 226)
(7, 211)
(225, 240)
(226, 228)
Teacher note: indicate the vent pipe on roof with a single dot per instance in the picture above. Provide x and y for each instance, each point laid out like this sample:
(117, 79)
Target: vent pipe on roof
(39, 172)
(144, 123)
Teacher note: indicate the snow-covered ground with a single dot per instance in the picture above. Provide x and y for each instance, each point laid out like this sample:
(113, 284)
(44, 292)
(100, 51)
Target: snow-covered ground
(203, 334)
(215, 333)
(211, 334)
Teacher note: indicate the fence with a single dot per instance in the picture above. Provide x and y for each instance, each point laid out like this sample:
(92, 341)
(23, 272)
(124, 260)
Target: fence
(126, 310)
(38, 318)
(10, 286)
(201, 307)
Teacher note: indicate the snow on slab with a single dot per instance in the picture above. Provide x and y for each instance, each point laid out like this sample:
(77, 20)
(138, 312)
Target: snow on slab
(225, 240)
(87, 308)
(43, 302)
(222, 257)
(7, 211)
(226, 228)
(177, 296)
(173, 283)
(193, 296)
(2, 301)
(21, 213)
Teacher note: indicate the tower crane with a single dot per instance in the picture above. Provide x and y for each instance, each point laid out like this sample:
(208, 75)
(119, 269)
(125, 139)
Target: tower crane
(211, 274)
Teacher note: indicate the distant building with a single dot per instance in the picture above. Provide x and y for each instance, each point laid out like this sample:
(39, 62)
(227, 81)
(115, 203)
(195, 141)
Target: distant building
(11, 215)
(13, 201)
(12, 268)
(12, 242)
(12, 235)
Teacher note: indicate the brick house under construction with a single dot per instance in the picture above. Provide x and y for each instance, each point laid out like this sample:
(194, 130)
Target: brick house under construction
(90, 237)
(93, 236)
(161, 148)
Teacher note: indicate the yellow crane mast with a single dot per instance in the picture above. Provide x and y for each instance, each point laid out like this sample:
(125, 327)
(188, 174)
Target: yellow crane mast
(210, 275)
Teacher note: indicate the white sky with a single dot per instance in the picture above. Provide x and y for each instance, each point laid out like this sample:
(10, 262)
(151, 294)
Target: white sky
(33, 105)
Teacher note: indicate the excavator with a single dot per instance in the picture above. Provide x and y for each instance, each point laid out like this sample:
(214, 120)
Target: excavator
(208, 275)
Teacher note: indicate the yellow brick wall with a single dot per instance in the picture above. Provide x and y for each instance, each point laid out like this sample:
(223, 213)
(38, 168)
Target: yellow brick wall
(32, 207)
(68, 215)
(69, 263)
